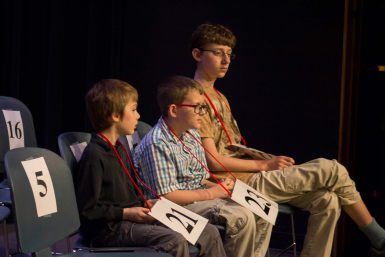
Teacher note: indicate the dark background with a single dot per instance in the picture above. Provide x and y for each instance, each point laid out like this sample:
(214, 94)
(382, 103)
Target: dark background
(284, 85)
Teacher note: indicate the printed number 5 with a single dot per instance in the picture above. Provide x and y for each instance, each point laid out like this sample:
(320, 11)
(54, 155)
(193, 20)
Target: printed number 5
(41, 182)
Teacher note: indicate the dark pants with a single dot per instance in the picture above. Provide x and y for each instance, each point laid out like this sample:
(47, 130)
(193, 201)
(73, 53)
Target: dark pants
(164, 239)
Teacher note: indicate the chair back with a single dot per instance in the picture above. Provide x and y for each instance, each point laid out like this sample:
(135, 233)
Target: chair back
(71, 146)
(16, 127)
(43, 197)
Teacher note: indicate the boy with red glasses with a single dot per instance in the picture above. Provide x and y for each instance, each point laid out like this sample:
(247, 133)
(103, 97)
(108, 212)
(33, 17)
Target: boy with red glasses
(171, 160)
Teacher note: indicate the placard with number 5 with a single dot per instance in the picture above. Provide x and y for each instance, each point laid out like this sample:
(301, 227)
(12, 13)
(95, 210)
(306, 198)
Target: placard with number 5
(41, 184)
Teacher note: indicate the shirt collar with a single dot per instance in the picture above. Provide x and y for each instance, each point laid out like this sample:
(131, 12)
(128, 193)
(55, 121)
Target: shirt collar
(101, 142)
(169, 135)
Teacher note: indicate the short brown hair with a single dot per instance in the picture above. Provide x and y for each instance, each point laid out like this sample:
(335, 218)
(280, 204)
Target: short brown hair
(209, 33)
(173, 90)
(106, 97)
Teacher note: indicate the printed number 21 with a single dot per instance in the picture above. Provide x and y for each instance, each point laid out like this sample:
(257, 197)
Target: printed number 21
(189, 227)
(41, 182)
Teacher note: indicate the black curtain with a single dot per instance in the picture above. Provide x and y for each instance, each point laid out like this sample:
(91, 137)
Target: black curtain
(284, 84)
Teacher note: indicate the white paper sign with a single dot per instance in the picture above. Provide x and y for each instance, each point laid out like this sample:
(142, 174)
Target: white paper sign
(179, 219)
(41, 184)
(133, 140)
(254, 201)
(129, 140)
(15, 128)
(77, 150)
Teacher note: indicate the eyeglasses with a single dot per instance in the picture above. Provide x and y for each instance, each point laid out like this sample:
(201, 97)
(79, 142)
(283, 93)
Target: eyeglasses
(200, 109)
(219, 53)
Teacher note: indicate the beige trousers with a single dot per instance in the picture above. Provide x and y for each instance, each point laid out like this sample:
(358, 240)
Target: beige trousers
(319, 186)
(246, 234)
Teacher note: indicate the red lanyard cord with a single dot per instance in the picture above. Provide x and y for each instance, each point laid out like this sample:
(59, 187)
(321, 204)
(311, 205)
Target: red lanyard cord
(204, 166)
(136, 172)
(207, 151)
(219, 117)
(126, 170)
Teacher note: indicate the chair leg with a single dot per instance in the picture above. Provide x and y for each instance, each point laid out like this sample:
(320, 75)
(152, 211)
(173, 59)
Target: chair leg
(6, 242)
(69, 247)
(294, 245)
(294, 242)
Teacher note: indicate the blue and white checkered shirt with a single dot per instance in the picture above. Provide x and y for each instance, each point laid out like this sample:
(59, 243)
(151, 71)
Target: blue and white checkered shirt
(165, 165)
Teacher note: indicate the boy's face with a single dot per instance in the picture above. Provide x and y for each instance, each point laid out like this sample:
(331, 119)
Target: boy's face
(128, 121)
(188, 114)
(214, 60)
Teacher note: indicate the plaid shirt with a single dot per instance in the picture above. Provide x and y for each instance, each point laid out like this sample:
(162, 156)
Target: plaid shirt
(165, 165)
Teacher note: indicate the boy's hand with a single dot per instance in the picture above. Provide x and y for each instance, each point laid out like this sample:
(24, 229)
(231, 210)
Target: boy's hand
(228, 183)
(218, 192)
(278, 162)
(137, 214)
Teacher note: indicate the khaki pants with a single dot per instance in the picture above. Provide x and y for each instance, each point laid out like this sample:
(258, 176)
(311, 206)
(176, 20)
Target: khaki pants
(246, 234)
(319, 186)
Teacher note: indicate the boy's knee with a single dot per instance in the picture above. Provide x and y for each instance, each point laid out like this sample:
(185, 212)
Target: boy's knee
(326, 201)
(239, 220)
(211, 232)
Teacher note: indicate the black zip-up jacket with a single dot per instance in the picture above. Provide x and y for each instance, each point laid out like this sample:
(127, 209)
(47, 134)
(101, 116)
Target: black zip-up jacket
(103, 189)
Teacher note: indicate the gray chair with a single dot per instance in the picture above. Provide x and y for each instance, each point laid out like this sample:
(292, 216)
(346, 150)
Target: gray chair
(74, 139)
(40, 227)
(14, 133)
(65, 141)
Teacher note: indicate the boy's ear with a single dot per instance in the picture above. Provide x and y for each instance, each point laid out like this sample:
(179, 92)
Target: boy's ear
(172, 110)
(196, 54)
(115, 117)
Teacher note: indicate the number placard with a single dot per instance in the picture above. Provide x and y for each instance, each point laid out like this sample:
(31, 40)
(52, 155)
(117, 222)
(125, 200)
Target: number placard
(15, 128)
(179, 219)
(41, 184)
(254, 201)
(77, 150)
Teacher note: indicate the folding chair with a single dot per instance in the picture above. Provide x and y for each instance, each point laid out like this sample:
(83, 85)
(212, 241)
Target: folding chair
(44, 203)
(16, 130)
(71, 146)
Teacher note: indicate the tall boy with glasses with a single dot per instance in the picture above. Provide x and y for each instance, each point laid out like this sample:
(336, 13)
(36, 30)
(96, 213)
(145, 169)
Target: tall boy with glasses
(320, 186)
(171, 160)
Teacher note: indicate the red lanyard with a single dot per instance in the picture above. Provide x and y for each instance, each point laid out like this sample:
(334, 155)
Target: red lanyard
(204, 166)
(207, 151)
(126, 170)
(219, 117)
